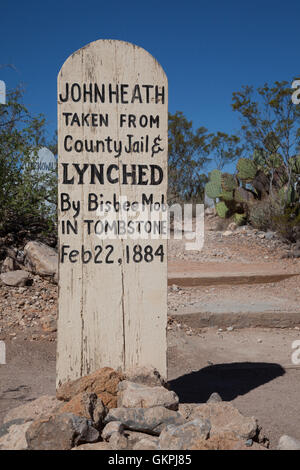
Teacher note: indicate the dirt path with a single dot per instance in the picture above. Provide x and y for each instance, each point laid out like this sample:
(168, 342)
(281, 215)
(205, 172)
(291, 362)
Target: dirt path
(234, 276)
(29, 372)
(250, 367)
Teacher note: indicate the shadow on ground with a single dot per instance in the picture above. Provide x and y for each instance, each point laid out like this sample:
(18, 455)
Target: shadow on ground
(229, 380)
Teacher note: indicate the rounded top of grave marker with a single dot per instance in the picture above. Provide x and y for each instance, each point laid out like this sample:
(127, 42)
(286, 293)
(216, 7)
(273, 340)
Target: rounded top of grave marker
(108, 43)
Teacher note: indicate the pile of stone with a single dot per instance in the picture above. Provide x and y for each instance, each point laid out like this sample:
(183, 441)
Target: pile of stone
(28, 293)
(110, 411)
(36, 258)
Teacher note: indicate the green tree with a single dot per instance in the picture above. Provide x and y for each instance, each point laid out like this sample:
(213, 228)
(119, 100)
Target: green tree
(188, 154)
(271, 130)
(225, 149)
(24, 193)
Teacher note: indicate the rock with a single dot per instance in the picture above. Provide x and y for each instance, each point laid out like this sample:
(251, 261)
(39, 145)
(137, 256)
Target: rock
(15, 438)
(215, 227)
(134, 438)
(4, 428)
(104, 382)
(15, 278)
(225, 418)
(227, 233)
(49, 324)
(86, 405)
(296, 253)
(146, 444)
(42, 406)
(214, 398)
(41, 259)
(288, 443)
(135, 395)
(146, 376)
(113, 426)
(232, 226)
(60, 432)
(118, 441)
(148, 420)
(81, 405)
(99, 413)
(209, 211)
(270, 235)
(96, 446)
(186, 409)
(185, 436)
(8, 265)
(224, 441)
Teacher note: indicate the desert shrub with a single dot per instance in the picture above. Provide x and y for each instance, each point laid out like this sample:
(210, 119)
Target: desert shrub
(222, 224)
(264, 213)
(270, 214)
(288, 223)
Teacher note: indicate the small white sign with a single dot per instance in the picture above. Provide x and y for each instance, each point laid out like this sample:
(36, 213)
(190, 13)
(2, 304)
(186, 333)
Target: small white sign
(2, 92)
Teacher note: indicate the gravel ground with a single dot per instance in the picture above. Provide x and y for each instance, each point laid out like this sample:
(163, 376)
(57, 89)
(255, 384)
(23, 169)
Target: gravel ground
(252, 367)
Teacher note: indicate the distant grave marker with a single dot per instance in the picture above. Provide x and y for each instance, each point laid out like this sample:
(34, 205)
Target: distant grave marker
(45, 161)
(112, 147)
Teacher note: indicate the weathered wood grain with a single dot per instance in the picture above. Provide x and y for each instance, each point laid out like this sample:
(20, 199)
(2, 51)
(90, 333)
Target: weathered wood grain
(109, 314)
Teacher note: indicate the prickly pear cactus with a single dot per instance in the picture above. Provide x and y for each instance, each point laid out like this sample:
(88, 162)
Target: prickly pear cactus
(246, 169)
(215, 176)
(213, 189)
(295, 164)
(227, 196)
(222, 209)
(275, 160)
(228, 182)
(259, 157)
(240, 219)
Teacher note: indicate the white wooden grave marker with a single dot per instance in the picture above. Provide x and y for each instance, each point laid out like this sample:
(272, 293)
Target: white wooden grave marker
(112, 147)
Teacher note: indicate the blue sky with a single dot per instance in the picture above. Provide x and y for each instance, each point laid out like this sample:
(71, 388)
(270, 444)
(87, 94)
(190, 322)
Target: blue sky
(208, 48)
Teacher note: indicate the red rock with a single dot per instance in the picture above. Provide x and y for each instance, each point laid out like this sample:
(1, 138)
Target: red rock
(104, 383)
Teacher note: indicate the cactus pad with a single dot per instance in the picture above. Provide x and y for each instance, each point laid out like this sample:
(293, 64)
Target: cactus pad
(239, 219)
(215, 176)
(246, 169)
(228, 182)
(222, 209)
(212, 189)
(227, 196)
